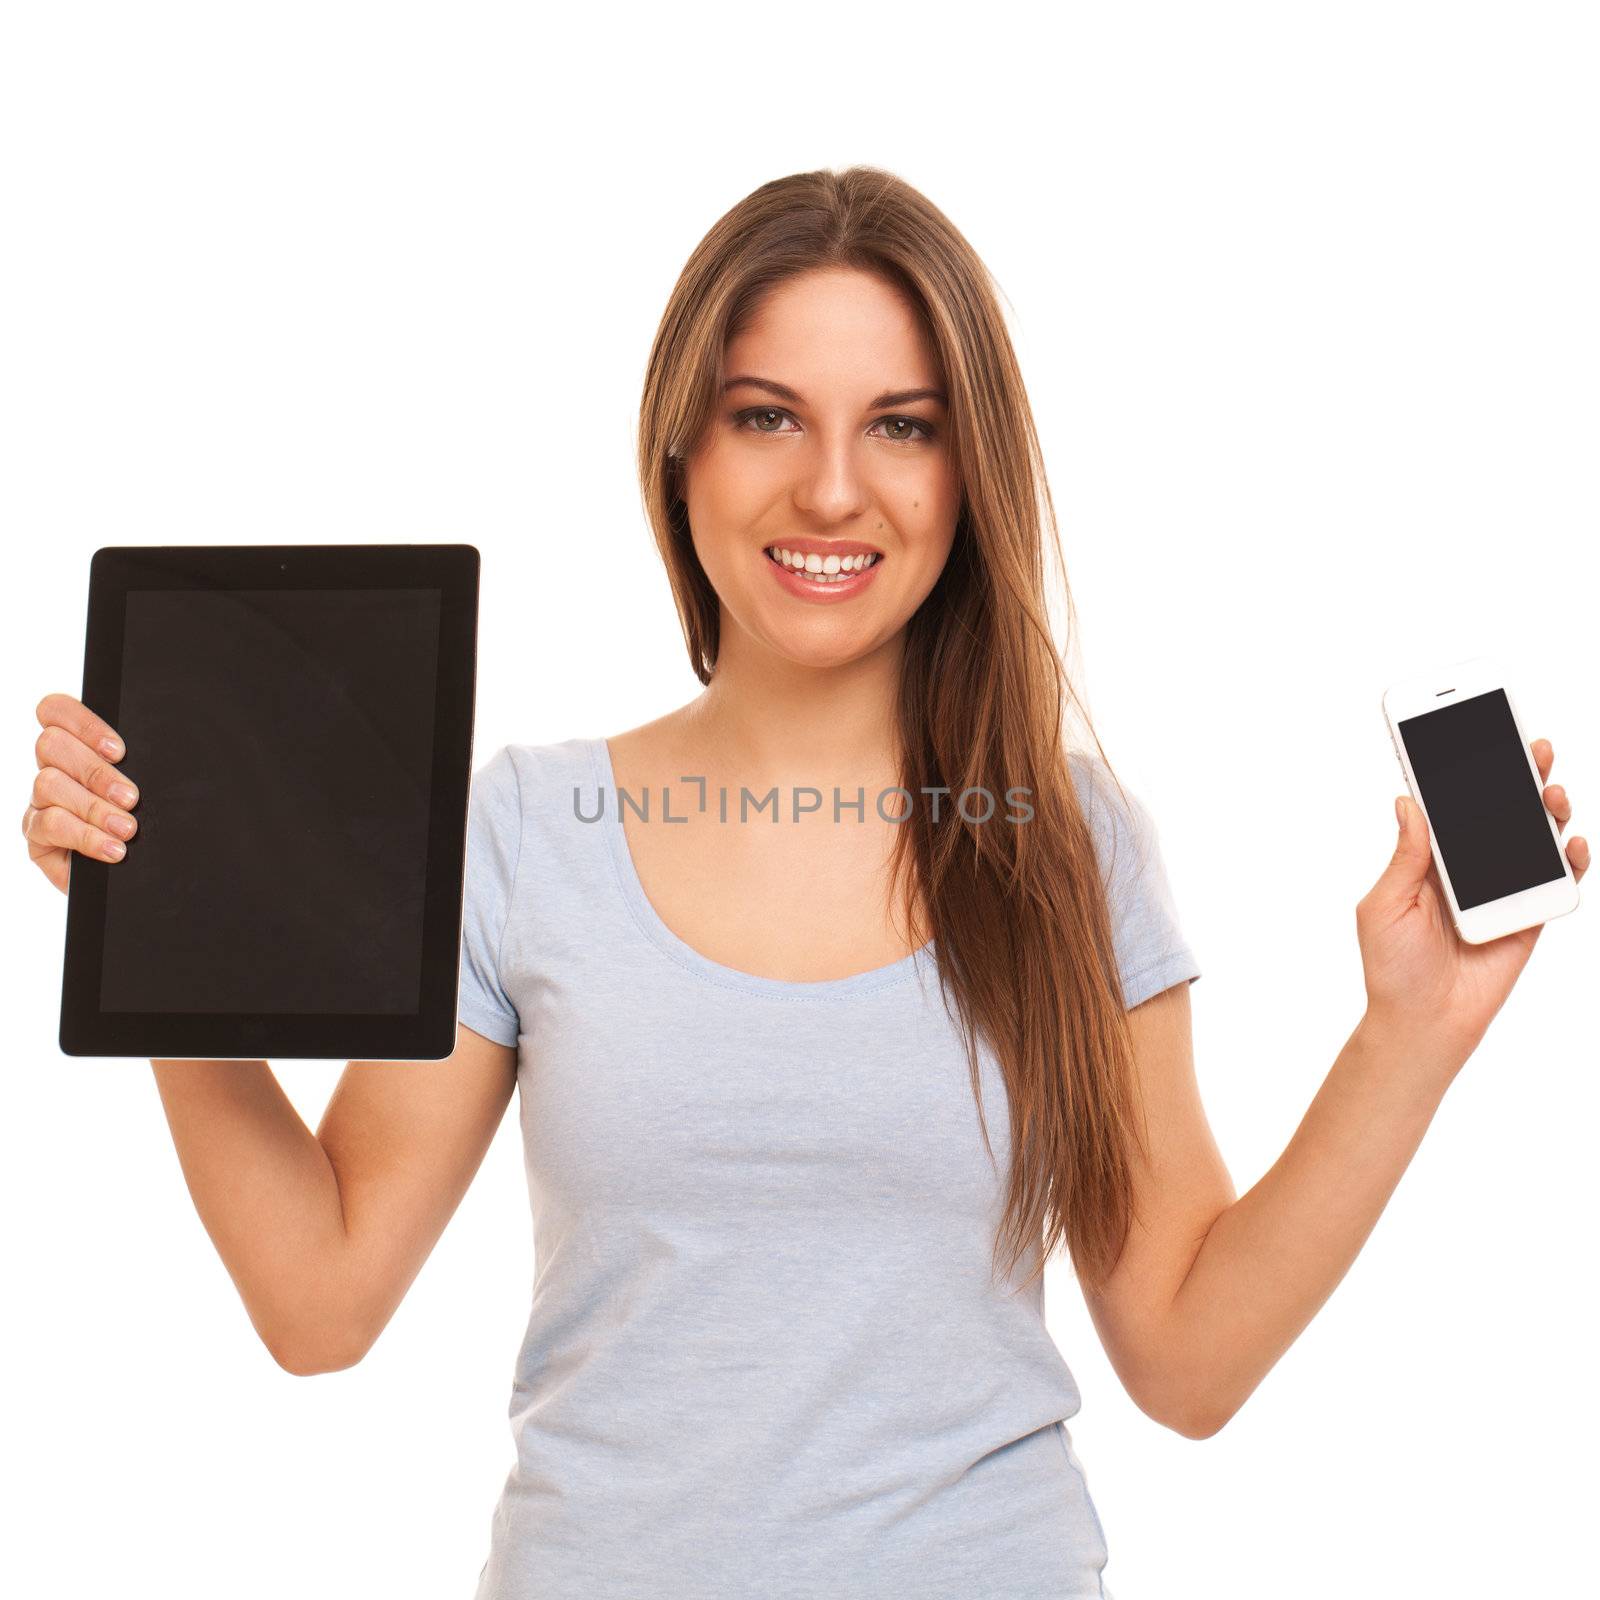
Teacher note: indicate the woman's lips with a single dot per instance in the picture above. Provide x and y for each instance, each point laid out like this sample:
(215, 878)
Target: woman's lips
(822, 593)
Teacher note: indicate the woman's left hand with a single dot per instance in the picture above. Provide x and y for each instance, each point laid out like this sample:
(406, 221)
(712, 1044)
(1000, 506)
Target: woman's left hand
(1421, 976)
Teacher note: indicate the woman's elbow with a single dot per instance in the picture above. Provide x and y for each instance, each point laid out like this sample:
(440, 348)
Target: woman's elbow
(301, 1362)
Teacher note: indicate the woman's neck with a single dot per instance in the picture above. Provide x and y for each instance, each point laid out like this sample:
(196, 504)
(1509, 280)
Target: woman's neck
(777, 721)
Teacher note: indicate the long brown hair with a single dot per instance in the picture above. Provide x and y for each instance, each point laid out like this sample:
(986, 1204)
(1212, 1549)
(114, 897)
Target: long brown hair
(1018, 911)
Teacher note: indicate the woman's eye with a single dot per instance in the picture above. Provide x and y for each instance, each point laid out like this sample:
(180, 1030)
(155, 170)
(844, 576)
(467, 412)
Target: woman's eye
(761, 416)
(914, 429)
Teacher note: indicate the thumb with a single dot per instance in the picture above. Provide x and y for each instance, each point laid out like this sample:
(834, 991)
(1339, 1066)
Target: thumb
(1402, 878)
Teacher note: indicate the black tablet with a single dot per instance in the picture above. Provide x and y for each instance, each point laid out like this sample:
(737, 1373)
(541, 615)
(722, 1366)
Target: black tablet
(298, 719)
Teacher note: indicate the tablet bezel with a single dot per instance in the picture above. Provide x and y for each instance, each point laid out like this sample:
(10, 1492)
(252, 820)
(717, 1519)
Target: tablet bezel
(429, 1034)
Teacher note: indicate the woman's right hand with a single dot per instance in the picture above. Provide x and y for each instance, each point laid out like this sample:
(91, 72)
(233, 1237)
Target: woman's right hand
(80, 801)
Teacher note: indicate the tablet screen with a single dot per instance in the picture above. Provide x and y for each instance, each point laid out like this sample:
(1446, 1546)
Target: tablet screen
(298, 720)
(287, 738)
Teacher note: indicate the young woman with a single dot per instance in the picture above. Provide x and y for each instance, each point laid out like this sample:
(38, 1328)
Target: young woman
(837, 1000)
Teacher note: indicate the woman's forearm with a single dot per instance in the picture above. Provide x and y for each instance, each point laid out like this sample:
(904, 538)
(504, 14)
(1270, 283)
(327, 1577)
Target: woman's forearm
(268, 1196)
(1274, 1256)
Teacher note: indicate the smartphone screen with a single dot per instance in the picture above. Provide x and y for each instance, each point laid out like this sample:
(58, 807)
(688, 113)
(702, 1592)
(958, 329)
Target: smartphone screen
(1483, 802)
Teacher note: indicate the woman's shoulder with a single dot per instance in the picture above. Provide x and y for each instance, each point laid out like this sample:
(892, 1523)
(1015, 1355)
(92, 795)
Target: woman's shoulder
(527, 780)
(1098, 784)
(539, 779)
(1119, 820)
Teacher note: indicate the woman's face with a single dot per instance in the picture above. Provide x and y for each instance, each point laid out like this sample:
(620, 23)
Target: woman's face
(829, 440)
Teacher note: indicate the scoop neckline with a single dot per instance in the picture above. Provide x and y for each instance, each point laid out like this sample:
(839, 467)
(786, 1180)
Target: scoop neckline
(679, 950)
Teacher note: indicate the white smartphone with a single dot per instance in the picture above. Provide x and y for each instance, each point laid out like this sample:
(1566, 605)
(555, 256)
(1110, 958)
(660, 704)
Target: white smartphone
(1468, 763)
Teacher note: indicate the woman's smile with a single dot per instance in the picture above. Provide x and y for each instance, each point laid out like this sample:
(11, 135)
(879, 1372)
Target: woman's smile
(818, 571)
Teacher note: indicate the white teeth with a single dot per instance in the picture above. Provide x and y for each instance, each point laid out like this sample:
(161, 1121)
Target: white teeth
(822, 569)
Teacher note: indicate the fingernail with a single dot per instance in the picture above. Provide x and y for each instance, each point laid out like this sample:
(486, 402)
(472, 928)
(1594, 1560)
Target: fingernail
(112, 748)
(124, 794)
(1400, 810)
(116, 849)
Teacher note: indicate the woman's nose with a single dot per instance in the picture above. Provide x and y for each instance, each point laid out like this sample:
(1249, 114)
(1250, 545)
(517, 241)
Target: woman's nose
(829, 484)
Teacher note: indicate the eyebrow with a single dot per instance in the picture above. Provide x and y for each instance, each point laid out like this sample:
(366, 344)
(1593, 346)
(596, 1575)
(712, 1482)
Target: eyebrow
(895, 397)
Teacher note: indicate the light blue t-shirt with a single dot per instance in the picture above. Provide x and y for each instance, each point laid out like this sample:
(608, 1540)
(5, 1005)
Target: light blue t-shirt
(764, 1360)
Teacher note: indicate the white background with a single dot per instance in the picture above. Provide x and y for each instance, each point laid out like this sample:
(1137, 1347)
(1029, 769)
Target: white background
(1305, 301)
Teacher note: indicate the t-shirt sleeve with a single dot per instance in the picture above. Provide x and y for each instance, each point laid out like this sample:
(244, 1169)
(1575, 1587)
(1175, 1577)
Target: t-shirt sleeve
(1152, 952)
(494, 846)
